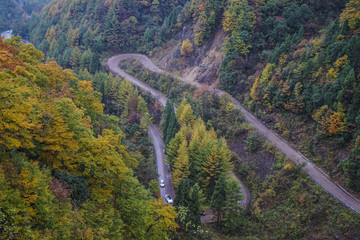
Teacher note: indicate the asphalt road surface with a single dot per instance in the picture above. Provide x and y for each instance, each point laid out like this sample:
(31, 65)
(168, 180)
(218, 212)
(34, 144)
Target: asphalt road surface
(163, 169)
(313, 171)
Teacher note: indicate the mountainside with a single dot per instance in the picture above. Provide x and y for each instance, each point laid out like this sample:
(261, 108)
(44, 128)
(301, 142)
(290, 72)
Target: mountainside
(294, 63)
(13, 13)
(71, 171)
(75, 32)
(280, 192)
(65, 172)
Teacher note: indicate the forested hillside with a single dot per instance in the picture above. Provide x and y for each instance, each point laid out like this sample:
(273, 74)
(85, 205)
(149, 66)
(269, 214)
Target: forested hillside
(65, 171)
(13, 13)
(68, 170)
(294, 63)
(280, 192)
(317, 80)
(75, 32)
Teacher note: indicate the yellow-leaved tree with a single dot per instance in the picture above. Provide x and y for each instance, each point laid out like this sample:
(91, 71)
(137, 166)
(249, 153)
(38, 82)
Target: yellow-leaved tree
(181, 164)
(352, 15)
(186, 48)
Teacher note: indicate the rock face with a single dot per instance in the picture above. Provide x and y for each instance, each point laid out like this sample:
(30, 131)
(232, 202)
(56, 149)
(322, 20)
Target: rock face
(7, 34)
(203, 64)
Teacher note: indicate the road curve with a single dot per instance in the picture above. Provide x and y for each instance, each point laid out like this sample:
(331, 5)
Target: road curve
(114, 68)
(162, 167)
(295, 156)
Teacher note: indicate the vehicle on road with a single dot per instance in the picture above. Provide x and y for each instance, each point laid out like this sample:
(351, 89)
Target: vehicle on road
(162, 183)
(168, 198)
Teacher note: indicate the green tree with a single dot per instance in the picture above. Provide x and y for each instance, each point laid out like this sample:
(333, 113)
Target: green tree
(113, 28)
(172, 128)
(233, 208)
(85, 59)
(169, 123)
(95, 64)
(218, 198)
(75, 58)
(187, 195)
(351, 167)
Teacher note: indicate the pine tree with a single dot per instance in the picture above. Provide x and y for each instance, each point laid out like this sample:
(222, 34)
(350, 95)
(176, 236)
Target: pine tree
(187, 195)
(187, 117)
(165, 118)
(85, 59)
(182, 193)
(194, 148)
(181, 164)
(174, 144)
(216, 164)
(113, 29)
(233, 206)
(172, 128)
(194, 205)
(218, 198)
(95, 64)
(75, 58)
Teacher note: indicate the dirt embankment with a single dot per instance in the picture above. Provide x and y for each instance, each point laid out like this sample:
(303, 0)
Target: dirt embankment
(203, 64)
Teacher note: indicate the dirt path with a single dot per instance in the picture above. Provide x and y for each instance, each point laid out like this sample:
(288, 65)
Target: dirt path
(314, 172)
(113, 64)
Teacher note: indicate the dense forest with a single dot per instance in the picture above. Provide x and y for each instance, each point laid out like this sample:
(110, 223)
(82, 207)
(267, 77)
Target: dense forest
(75, 33)
(76, 158)
(65, 171)
(280, 191)
(306, 87)
(294, 63)
(14, 13)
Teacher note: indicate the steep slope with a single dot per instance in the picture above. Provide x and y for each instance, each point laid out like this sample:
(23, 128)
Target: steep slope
(76, 32)
(113, 63)
(10, 12)
(290, 63)
(316, 174)
(14, 13)
(284, 192)
(65, 171)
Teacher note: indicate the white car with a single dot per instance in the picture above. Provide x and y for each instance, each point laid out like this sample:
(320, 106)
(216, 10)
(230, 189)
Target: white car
(168, 199)
(162, 183)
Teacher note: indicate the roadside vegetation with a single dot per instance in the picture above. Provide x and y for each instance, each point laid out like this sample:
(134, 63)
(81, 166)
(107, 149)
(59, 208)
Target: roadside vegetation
(281, 192)
(76, 161)
(296, 65)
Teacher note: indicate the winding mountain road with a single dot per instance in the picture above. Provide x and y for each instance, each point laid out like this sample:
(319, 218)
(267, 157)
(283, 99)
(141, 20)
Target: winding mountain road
(163, 168)
(295, 156)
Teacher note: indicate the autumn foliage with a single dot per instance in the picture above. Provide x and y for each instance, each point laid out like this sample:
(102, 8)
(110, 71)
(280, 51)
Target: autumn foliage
(58, 173)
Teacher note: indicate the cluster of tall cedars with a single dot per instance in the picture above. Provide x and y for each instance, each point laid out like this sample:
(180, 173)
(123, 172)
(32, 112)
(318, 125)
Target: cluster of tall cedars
(200, 167)
(64, 172)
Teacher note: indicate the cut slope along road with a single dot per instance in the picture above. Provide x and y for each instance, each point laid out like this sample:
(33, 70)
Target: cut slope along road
(158, 144)
(295, 156)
